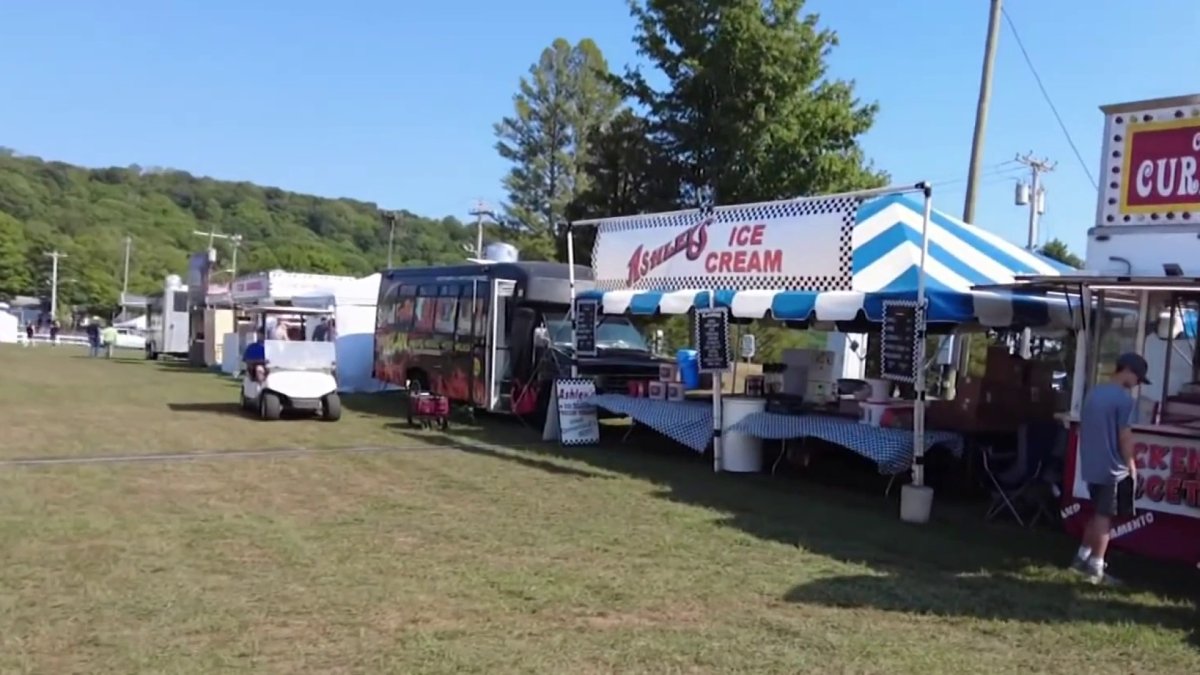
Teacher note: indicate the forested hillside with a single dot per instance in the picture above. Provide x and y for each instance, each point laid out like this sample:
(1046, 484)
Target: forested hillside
(87, 213)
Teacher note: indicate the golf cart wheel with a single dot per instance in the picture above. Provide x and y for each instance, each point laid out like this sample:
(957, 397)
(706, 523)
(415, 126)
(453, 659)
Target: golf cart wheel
(270, 407)
(331, 408)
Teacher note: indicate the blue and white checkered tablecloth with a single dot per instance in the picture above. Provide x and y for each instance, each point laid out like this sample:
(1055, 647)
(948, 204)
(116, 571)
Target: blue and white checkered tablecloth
(891, 449)
(689, 423)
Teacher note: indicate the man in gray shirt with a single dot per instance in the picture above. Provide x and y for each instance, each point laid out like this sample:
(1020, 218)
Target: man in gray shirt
(1106, 459)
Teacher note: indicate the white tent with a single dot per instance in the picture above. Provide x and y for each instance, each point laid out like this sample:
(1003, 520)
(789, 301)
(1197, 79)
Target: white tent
(136, 323)
(8, 327)
(353, 307)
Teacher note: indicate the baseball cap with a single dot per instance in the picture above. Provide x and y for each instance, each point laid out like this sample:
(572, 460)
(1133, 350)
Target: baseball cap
(1134, 364)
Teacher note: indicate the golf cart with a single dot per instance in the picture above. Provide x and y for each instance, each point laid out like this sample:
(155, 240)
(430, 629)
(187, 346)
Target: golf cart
(296, 375)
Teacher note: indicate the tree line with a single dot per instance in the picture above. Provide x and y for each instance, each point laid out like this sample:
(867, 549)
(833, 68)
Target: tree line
(88, 213)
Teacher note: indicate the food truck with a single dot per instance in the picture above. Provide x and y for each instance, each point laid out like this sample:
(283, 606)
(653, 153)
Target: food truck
(471, 332)
(1141, 283)
(168, 320)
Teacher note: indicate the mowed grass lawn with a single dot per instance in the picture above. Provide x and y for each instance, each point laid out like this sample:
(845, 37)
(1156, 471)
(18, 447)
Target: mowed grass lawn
(486, 551)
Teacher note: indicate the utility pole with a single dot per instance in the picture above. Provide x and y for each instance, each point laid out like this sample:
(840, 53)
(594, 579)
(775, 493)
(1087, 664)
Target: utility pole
(234, 239)
(213, 235)
(960, 347)
(479, 211)
(125, 274)
(54, 256)
(390, 218)
(1034, 194)
(981, 110)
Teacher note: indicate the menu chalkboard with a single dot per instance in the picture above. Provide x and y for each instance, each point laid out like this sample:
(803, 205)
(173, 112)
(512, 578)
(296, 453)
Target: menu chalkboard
(586, 312)
(901, 325)
(712, 339)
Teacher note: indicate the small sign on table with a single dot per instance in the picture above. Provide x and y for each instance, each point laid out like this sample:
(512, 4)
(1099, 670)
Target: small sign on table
(571, 416)
(902, 322)
(712, 339)
(586, 313)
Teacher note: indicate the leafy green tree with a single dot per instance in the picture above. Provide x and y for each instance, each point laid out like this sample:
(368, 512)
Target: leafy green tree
(548, 139)
(14, 269)
(628, 173)
(1056, 249)
(748, 109)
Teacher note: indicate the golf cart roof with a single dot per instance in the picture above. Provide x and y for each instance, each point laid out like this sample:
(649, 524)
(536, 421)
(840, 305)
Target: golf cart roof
(278, 309)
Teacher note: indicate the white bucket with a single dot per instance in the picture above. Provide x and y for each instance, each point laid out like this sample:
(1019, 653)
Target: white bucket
(916, 503)
(881, 390)
(740, 453)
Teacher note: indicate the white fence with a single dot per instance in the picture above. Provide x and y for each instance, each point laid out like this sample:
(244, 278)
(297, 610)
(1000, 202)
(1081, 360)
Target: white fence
(42, 339)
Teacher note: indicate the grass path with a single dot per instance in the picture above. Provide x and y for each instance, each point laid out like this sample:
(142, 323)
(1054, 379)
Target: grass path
(492, 553)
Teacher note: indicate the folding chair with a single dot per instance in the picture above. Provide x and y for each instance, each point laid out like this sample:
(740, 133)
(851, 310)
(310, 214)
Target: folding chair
(1023, 482)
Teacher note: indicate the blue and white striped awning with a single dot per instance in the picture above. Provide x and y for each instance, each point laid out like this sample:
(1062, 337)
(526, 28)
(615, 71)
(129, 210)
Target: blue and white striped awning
(887, 259)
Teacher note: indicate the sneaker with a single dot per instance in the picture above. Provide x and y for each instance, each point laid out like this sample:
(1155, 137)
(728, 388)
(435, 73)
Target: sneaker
(1080, 565)
(1104, 579)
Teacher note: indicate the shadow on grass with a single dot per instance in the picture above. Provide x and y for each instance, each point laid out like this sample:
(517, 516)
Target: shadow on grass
(214, 407)
(936, 568)
(516, 457)
(992, 597)
(956, 565)
(163, 365)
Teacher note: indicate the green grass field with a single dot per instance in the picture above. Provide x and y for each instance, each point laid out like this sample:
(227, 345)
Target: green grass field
(380, 549)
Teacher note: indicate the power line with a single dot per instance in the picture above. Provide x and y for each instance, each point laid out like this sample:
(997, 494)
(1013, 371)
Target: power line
(991, 170)
(1046, 95)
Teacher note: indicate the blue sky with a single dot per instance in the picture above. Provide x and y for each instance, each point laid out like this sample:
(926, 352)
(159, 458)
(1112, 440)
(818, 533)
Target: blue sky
(393, 102)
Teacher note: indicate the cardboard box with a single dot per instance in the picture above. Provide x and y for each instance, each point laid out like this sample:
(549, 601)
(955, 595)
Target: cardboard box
(1004, 368)
(1040, 373)
(674, 391)
(941, 415)
(668, 372)
(849, 407)
(656, 390)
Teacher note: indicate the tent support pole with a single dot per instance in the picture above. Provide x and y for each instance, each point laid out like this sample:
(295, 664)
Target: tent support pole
(916, 499)
(718, 390)
(918, 471)
(571, 282)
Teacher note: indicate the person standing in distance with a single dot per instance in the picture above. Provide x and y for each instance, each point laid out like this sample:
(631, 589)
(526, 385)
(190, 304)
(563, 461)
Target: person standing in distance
(1106, 459)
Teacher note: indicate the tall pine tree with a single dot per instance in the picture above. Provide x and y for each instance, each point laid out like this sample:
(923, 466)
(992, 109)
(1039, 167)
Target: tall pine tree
(566, 99)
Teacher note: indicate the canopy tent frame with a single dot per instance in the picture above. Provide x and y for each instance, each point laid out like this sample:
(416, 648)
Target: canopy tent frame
(926, 190)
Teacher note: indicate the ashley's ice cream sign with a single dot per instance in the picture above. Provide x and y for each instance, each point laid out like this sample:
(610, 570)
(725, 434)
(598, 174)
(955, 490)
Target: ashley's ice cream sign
(1151, 166)
(797, 244)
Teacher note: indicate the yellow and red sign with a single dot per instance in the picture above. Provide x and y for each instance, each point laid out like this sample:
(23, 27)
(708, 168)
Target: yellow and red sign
(1161, 166)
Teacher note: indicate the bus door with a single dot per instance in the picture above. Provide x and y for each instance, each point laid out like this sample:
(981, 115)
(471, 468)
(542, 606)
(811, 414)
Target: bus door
(499, 359)
(474, 329)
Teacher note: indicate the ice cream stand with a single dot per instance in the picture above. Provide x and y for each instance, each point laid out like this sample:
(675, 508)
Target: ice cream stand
(1141, 285)
(791, 259)
(774, 261)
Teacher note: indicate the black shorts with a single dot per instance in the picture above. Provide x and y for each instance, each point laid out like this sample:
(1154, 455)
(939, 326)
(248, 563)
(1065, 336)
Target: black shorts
(1112, 499)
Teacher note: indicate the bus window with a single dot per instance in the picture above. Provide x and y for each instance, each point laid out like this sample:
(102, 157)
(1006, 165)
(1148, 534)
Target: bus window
(481, 314)
(466, 310)
(447, 310)
(426, 304)
(403, 307)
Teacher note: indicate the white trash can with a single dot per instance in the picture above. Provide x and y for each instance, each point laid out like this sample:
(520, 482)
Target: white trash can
(740, 453)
